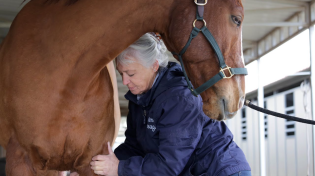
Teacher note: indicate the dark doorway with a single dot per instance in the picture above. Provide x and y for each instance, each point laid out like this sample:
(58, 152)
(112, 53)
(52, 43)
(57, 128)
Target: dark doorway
(2, 166)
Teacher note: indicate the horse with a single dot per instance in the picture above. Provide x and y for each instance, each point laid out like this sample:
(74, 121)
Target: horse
(56, 107)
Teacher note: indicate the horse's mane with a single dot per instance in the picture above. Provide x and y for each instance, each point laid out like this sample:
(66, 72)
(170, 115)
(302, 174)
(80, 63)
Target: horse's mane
(67, 2)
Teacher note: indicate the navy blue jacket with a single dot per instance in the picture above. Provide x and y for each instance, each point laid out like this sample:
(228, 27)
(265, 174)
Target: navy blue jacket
(168, 134)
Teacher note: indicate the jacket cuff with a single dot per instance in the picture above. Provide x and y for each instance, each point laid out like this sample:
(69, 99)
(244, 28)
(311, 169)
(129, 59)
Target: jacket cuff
(121, 168)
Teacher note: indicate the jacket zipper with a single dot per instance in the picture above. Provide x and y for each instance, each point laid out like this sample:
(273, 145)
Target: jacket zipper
(144, 116)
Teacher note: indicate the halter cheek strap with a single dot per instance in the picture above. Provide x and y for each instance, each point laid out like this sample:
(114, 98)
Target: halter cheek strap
(223, 67)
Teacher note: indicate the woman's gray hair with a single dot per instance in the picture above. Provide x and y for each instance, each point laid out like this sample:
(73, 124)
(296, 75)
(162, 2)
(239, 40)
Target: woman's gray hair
(147, 49)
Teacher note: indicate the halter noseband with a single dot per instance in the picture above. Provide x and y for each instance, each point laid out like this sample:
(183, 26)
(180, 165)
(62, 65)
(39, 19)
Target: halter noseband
(213, 43)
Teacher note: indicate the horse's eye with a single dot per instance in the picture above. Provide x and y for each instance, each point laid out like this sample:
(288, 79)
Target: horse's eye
(236, 20)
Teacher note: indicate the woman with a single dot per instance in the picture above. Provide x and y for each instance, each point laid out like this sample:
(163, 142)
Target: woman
(167, 132)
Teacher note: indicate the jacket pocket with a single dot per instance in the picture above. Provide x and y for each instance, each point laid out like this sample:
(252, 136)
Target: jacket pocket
(197, 170)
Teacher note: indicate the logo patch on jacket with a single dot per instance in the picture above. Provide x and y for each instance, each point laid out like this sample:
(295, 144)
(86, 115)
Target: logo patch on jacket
(151, 127)
(150, 119)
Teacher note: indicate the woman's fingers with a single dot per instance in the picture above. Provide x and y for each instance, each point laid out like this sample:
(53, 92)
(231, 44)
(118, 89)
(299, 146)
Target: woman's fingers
(99, 172)
(62, 173)
(96, 168)
(98, 165)
(105, 164)
(99, 158)
(74, 174)
(103, 157)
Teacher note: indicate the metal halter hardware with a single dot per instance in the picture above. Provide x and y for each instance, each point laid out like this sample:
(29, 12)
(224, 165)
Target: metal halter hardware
(206, 1)
(216, 48)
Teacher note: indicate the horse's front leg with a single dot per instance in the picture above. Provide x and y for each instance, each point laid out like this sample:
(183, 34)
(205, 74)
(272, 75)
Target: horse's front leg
(18, 162)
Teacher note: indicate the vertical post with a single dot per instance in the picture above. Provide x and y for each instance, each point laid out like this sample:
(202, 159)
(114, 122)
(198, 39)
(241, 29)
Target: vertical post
(312, 66)
(309, 18)
(261, 123)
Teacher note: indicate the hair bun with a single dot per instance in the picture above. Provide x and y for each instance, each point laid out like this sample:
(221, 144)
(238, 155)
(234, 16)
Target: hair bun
(156, 36)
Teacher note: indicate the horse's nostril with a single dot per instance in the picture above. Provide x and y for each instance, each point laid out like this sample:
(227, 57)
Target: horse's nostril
(223, 104)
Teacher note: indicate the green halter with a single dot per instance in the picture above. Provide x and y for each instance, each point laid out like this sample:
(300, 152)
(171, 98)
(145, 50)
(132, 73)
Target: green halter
(213, 43)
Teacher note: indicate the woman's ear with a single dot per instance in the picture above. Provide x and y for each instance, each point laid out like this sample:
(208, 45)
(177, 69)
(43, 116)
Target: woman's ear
(156, 66)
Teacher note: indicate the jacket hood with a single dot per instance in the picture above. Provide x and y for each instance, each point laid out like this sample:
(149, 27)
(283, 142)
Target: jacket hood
(170, 76)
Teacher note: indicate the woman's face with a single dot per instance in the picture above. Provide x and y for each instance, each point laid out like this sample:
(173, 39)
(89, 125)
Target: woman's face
(136, 77)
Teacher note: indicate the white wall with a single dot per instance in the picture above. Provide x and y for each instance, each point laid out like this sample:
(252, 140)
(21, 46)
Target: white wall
(285, 155)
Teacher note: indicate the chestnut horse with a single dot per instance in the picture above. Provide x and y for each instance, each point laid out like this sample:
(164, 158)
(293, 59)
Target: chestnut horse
(56, 108)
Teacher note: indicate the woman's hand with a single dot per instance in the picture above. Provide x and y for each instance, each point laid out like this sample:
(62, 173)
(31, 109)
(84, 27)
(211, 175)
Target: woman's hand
(105, 164)
(64, 173)
(74, 174)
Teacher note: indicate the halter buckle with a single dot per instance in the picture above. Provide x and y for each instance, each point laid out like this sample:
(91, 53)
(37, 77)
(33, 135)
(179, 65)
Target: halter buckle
(201, 4)
(226, 68)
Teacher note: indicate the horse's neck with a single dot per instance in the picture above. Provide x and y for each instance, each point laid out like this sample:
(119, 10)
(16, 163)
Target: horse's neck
(97, 30)
(80, 39)
(126, 21)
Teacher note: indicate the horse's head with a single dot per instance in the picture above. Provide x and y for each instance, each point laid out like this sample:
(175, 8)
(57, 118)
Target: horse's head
(223, 19)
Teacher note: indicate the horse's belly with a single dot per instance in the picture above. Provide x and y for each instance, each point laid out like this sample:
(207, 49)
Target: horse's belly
(59, 129)
(62, 142)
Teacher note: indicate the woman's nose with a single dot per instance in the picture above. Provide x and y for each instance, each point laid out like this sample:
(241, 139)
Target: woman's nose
(125, 80)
